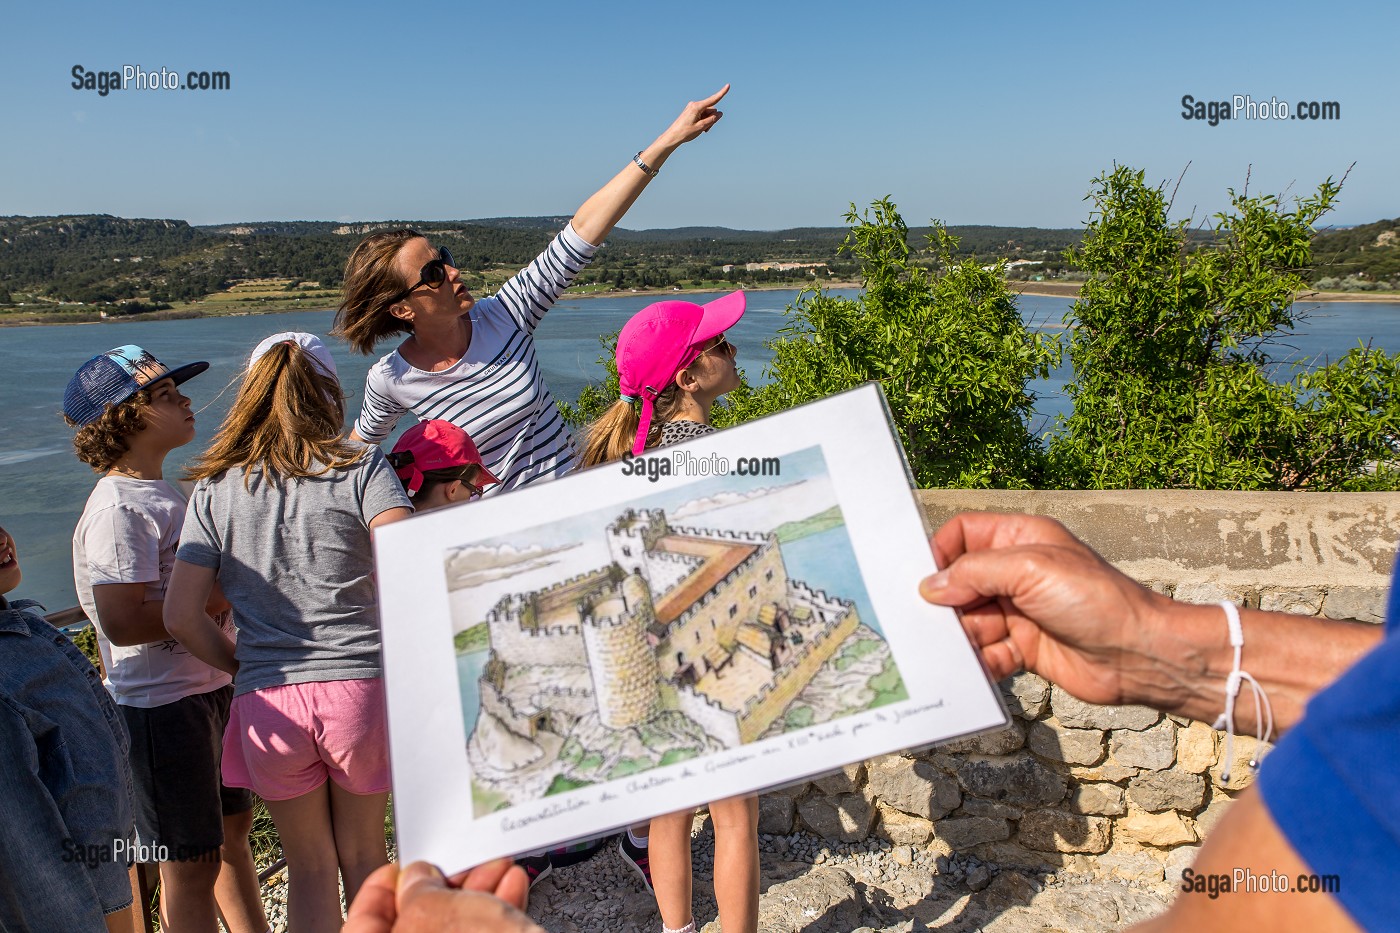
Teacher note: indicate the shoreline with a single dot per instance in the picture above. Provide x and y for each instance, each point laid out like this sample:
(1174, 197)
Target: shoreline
(195, 313)
(1071, 290)
(1037, 289)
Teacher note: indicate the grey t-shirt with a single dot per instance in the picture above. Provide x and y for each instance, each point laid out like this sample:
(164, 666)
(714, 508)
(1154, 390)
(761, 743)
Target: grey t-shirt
(296, 564)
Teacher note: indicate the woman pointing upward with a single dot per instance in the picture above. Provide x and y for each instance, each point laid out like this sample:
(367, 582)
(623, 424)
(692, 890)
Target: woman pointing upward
(472, 362)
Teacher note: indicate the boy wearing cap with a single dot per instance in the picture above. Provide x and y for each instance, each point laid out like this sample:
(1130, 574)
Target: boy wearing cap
(130, 414)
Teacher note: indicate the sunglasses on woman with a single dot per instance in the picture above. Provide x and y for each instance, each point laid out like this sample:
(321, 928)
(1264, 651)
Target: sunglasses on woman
(433, 274)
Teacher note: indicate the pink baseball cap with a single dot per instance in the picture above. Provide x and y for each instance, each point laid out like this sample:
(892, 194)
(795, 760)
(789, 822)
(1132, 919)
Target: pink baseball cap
(435, 445)
(662, 339)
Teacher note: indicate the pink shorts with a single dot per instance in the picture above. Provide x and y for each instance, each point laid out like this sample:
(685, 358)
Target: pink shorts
(285, 741)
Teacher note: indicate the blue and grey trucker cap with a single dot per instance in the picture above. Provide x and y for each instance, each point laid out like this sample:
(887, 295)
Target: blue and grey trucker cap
(114, 377)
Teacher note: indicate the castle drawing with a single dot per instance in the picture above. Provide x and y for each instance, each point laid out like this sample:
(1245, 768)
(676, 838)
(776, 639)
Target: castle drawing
(696, 639)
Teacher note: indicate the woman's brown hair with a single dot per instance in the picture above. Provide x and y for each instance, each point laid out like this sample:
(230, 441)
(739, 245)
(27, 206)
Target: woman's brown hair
(612, 435)
(288, 419)
(371, 282)
(106, 440)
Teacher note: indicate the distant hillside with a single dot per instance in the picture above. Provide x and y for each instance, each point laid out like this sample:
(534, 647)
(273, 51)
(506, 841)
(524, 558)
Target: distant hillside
(103, 260)
(1363, 258)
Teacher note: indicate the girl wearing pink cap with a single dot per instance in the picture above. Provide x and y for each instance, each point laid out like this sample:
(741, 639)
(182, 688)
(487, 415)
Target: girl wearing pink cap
(673, 364)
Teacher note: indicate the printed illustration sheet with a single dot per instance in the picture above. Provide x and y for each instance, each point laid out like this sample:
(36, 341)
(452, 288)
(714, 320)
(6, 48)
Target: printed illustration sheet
(736, 612)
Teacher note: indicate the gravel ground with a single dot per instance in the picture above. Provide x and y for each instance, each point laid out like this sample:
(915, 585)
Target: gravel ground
(812, 885)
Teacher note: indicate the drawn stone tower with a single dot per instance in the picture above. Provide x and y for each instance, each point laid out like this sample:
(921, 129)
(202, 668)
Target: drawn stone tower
(632, 536)
(625, 674)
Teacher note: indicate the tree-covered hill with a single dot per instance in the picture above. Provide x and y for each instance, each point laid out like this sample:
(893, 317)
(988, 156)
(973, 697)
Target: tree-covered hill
(100, 259)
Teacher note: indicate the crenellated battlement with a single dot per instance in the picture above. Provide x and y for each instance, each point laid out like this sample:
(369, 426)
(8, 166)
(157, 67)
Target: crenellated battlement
(724, 534)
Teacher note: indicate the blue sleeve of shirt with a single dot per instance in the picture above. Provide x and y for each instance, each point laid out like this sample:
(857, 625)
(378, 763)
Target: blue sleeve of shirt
(1333, 783)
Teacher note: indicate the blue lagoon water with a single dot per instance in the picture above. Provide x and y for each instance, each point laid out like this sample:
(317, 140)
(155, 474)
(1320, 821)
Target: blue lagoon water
(43, 487)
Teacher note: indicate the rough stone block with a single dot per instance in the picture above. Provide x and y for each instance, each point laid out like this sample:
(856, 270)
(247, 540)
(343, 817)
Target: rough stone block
(1132, 864)
(1101, 799)
(775, 814)
(1362, 603)
(824, 891)
(1073, 746)
(1207, 819)
(916, 787)
(791, 790)
(1025, 694)
(1107, 770)
(1076, 714)
(1013, 854)
(1206, 592)
(963, 832)
(1304, 601)
(1241, 774)
(903, 829)
(848, 817)
(1020, 780)
(1153, 749)
(1057, 831)
(844, 781)
(1167, 790)
(1001, 742)
(1178, 860)
(1010, 889)
(976, 806)
(1162, 830)
(1195, 748)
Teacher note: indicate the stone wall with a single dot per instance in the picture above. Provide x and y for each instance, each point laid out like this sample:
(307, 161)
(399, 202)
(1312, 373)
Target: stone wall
(1115, 791)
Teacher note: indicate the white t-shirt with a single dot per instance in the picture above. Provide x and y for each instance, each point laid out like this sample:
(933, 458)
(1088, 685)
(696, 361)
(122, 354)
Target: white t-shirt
(128, 534)
(495, 392)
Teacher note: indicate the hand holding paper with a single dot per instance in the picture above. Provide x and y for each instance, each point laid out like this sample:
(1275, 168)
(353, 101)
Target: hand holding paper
(418, 899)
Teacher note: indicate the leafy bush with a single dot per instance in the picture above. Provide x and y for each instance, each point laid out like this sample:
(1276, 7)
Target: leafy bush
(1174, 384)
(948, 346)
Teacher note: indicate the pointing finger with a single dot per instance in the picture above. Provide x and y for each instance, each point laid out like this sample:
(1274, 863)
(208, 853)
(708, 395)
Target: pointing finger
(715, 98)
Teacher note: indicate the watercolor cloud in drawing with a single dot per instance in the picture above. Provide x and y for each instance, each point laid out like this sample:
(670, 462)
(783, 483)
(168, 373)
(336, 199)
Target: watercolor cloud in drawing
(723, 500)
(475, 565)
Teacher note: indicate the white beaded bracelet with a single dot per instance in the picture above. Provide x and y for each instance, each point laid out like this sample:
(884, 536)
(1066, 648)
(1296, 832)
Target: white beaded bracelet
(1263, 711)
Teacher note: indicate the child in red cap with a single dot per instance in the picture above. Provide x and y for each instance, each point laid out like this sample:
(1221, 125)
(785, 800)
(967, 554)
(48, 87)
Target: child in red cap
(439, 465)
(673, 364)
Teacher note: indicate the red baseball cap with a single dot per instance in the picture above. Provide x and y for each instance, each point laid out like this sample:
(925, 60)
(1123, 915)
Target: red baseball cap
(662, 339)
(435, 445)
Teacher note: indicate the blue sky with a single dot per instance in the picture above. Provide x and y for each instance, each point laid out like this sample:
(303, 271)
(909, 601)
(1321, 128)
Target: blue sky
(970, 113)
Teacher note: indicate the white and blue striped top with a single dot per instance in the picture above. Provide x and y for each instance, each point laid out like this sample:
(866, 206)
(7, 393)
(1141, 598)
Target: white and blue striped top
(494, 392)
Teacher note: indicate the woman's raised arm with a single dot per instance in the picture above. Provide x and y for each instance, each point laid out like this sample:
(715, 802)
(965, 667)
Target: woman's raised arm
(597, 216)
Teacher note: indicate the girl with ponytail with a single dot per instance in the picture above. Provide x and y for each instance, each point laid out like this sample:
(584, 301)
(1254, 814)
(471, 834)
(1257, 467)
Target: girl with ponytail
(673, 364)
(281, 518)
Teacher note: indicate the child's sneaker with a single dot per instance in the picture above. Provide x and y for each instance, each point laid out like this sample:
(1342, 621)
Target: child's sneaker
(636, 858)
(536, 867)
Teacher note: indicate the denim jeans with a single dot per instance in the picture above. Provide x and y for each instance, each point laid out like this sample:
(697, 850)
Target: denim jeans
(65, 785)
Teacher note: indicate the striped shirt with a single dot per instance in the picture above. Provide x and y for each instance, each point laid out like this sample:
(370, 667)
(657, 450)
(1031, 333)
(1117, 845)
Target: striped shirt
(495, 392)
